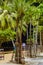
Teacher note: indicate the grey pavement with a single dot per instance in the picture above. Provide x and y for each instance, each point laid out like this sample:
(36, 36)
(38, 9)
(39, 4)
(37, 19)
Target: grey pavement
(38, 59)
(40, 63)
(29, 61)
(34, 61)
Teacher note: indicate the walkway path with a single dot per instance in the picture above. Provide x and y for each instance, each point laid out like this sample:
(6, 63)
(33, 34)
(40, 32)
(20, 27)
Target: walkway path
(34, 61)
(40, 63)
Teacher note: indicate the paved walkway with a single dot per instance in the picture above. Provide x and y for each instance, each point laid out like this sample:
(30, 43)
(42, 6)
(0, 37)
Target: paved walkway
(40, 63)
(34, 61)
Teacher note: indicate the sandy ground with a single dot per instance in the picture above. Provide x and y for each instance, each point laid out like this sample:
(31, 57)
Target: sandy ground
(7, 58)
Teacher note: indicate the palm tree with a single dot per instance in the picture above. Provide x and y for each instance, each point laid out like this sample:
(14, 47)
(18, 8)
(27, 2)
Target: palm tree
(16, 16)
(33, 17)
(20, 12)
(14, 20)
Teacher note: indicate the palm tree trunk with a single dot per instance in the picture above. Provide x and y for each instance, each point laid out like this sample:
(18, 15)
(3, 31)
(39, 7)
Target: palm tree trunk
(20, 45)
(20, 49)
(36, 39)
(33, 41)
(17, 45)
(17, 49)
(30, 30)
(40, 41)
(30, 39)
(18, 55)
(27, 32)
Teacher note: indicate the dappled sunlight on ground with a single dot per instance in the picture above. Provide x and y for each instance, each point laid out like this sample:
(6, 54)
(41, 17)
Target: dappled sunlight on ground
(7, 58)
